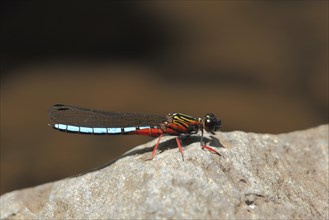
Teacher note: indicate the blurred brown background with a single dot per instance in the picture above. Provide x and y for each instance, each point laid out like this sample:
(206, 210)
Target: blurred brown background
(259, 66)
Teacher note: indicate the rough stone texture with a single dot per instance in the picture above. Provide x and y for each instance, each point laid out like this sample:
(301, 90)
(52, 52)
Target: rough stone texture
(257, 176)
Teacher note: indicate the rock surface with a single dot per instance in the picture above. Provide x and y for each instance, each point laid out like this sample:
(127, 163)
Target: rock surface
(281, 176)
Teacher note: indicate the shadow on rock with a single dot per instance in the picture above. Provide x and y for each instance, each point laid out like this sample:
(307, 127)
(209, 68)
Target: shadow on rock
(168, 144)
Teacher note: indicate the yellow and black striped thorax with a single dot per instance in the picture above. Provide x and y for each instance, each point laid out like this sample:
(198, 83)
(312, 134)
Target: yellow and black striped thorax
(183, 119)
(188, 122)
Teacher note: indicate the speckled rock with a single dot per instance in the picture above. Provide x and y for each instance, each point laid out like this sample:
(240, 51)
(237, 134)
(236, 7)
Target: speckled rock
(281, 176)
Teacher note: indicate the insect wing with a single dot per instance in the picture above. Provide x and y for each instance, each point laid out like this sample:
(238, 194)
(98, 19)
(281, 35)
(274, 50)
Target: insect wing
(71, 115)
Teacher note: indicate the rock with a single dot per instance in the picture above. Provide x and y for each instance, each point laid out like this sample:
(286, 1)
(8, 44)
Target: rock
(257, 176)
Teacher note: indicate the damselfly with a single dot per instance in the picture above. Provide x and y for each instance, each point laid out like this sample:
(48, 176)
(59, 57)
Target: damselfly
(89, 121)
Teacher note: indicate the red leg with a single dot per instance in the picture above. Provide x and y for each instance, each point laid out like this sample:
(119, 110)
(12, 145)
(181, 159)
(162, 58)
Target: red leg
(180, 147)
(156, 147)
(210, 149)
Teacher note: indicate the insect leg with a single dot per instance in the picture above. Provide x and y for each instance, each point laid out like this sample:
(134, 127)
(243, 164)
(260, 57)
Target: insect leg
(156, 147)
(204, 146)
(180, 147)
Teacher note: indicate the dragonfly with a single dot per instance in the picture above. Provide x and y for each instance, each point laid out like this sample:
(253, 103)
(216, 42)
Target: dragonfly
(75, 119)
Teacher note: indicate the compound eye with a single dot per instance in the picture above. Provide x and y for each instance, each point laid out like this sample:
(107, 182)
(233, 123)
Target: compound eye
(211, 124)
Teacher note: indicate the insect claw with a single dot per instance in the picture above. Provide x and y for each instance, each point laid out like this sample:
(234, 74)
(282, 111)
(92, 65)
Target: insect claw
(211, 150)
